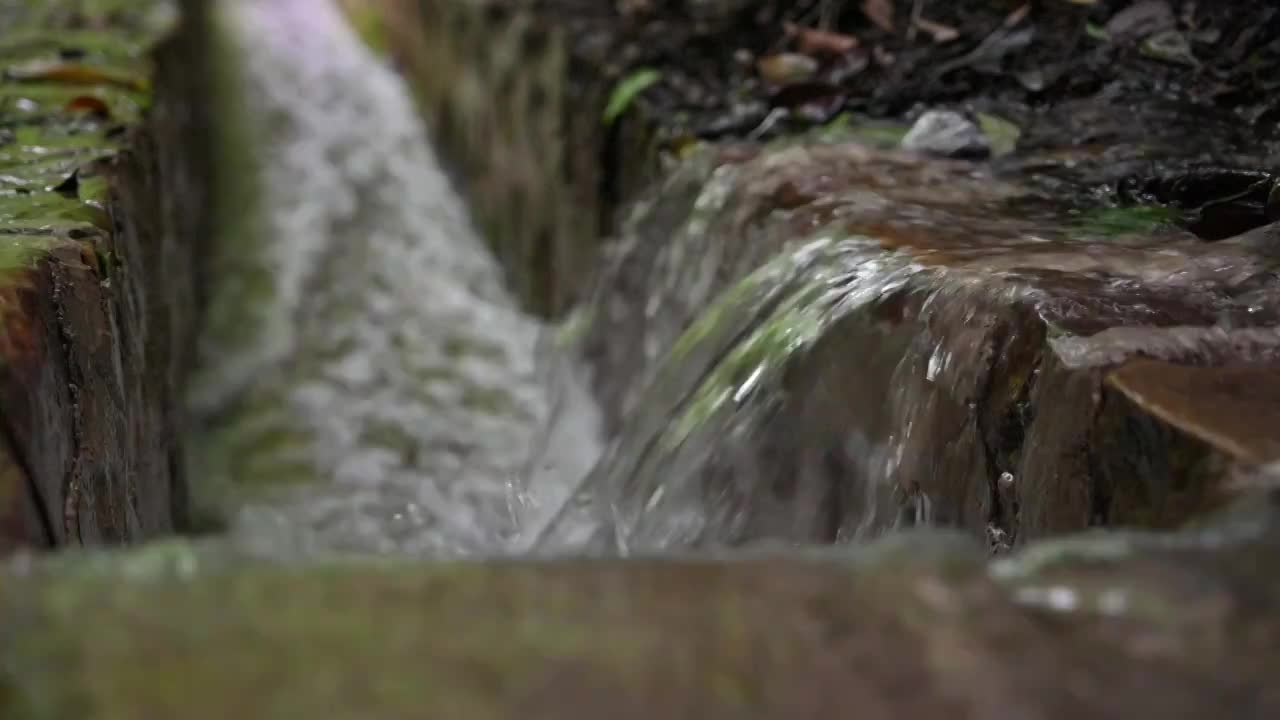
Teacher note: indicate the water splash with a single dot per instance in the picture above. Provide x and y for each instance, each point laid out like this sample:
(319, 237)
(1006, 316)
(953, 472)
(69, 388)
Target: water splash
(376, 388)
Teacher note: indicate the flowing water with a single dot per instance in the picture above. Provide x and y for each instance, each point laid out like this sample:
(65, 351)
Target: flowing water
(870, 350)
(368, 385)
(834, 342)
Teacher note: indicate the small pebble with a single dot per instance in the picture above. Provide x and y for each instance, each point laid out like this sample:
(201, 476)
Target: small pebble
(947, 134)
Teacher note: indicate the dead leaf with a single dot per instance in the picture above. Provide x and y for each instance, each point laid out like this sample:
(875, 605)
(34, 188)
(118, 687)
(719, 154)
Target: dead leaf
(813, 41)
(879, 12)
(1018, 15)
(89, 104)
(784, 68)
(939, 32)
(72, 74)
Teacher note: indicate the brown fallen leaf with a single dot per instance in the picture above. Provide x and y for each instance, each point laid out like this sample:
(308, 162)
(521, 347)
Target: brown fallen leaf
(939, 32)
(784, 68)
(72, 74)
(90, 105)
(879, 12)
(813, 41)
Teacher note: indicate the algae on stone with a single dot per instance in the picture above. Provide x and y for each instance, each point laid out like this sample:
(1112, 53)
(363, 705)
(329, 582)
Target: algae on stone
(50, 148)
(915, 626)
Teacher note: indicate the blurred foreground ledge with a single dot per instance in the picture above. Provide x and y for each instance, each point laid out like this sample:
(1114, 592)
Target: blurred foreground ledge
(918, 626)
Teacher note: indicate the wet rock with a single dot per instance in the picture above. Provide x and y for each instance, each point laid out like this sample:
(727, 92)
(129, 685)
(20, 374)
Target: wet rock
(914, 627)
(1140, 20)
(946, 134)
(1230, 408)
(821, 342)
(493, 79)
(91, 350)
(22, 522)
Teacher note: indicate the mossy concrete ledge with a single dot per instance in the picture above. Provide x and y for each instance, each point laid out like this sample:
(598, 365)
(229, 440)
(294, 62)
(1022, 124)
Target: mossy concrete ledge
(514, 92)
(94, 273)
(915, 627)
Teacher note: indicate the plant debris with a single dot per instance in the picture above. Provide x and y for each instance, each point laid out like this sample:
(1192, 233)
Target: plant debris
(1074, 95)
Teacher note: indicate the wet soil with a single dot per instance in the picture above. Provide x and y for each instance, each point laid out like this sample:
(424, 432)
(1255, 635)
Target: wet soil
(1121, 101)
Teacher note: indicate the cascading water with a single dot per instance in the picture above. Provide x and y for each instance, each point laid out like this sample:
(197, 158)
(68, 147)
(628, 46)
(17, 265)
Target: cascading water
(367, 384)
(822, 381)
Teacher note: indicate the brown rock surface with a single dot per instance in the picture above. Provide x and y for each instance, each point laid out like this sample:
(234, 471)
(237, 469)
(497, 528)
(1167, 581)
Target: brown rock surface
(937, 353)
(1108, 627)
(1234, 409)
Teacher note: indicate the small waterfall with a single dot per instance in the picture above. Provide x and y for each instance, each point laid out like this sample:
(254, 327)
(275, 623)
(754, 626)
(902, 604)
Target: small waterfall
(823, 344)
(367, 384)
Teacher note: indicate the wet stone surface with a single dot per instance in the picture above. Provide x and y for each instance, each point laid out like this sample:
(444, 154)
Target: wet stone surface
(916, 626)
(864, 340)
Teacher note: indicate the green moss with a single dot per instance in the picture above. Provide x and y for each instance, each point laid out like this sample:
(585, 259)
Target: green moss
(20, 252)
(233, 312)
(793, 326)
(1115, 221)
(51, 138)
(751, 291)
(1002, 134)
(845, 128)
(261, 454)
(793, 291)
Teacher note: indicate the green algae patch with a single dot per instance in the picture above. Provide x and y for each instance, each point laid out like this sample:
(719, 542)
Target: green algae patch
(790, 301)
(246, 283)
(67, 96)
(266, 453)
(846, 128)
(266, 447)
(793, 326)
(1116, 221)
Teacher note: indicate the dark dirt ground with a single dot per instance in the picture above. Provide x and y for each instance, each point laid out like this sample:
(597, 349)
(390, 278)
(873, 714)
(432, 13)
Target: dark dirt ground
(1136, 100)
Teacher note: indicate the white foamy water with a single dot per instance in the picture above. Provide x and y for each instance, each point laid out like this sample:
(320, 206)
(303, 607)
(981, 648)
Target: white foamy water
(383, 363)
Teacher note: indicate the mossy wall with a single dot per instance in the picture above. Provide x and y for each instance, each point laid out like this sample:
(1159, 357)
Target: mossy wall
(96, 231)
